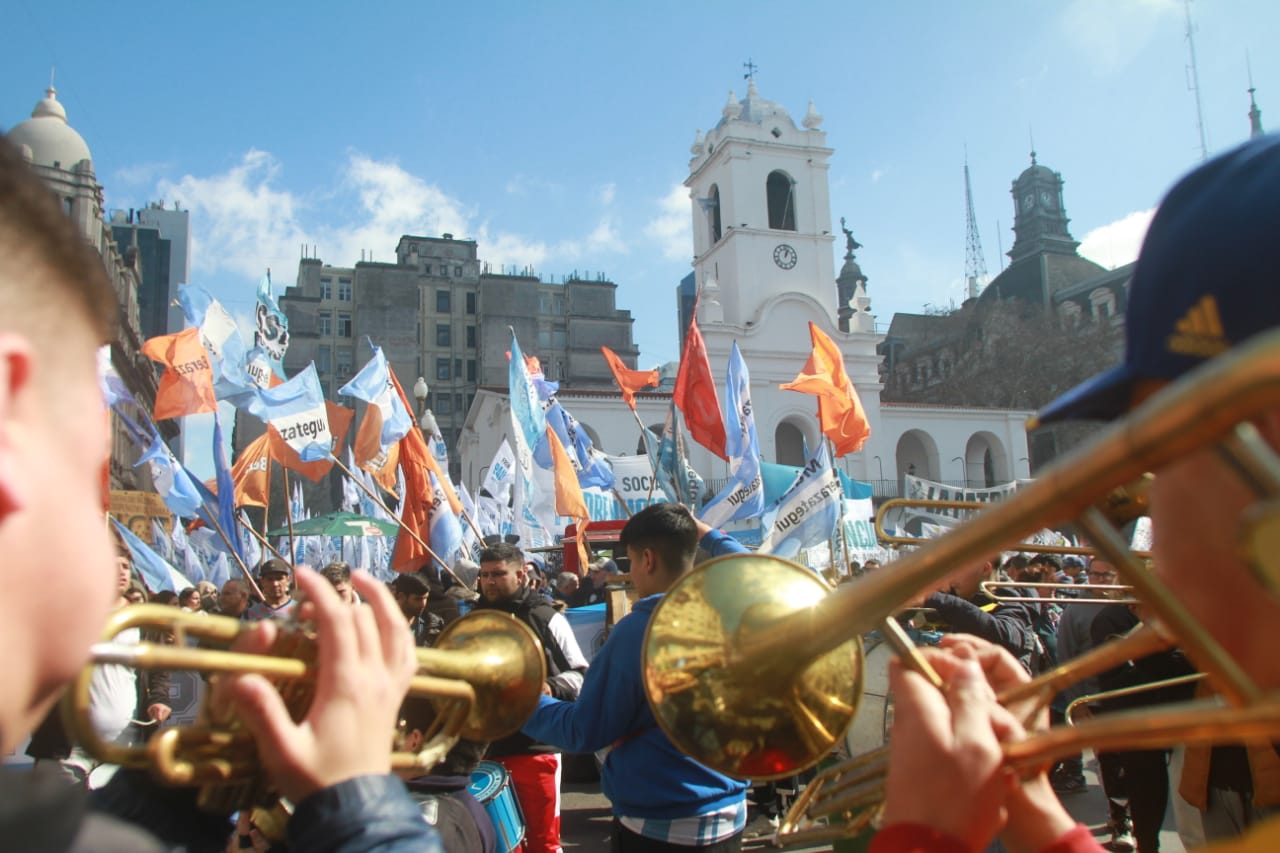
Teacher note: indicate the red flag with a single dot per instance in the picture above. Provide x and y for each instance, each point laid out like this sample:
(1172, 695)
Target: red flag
(696, 396)
(629, 381)
(186, 386)
(840, 412)
(252, 472)
(569, 499)
(339, 424)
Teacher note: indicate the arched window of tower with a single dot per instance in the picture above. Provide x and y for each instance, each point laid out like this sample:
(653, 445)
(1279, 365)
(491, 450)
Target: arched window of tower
(713, 213)
(782, 201)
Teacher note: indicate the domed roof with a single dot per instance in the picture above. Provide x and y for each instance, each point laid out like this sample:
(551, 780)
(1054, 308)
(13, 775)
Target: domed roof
(754, 108)
(51, 140)
(1035, 170)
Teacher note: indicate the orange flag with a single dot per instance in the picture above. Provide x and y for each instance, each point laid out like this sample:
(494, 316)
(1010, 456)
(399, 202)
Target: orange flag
(840, 412)
(695, 394)
(430, 461)
(629, 381)
(369, 454)
(339, 425)
(252, 472)
(569, 499)
(186, 386)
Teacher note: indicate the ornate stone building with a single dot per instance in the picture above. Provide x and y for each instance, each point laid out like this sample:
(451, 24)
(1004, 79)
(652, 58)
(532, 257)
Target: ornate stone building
(60, 156)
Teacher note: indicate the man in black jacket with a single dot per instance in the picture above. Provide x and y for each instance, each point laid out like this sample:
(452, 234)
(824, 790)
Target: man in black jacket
(534, 767)
(964, 608)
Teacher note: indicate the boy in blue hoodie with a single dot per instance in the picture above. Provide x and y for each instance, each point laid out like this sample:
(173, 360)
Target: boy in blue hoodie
(662, 799)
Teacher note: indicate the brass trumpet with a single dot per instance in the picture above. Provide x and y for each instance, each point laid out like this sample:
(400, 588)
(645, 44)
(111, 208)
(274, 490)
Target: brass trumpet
(756, 684)
(484, 675)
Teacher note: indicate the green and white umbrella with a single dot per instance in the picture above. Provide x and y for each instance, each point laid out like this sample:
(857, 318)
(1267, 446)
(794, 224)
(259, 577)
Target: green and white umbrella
(339, 524)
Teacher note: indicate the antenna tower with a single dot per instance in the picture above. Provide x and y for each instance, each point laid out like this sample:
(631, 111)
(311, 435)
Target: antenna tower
(975, 264)
(1193, 83)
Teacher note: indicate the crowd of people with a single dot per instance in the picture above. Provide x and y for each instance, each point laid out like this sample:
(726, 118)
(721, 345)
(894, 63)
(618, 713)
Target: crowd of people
(1211, 251)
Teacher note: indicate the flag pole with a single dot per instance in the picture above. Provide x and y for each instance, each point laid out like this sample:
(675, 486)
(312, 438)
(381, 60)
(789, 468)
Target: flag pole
(288, 502)
(412, 535)
(256, 535)
(248, 576)
(844, 533)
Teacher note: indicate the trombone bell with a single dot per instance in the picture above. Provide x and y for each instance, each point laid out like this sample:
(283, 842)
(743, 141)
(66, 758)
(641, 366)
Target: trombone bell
(765, 720)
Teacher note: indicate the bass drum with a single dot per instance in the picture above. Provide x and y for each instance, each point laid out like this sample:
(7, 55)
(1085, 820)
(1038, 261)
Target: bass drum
(491, 786)
(870, 727)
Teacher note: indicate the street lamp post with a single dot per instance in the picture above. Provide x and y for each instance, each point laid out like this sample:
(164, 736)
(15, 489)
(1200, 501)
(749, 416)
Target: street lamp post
(426, 420)
(964, 472)
(880, 465)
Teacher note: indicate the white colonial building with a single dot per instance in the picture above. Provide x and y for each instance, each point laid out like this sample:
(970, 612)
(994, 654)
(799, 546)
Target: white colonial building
(764, 264)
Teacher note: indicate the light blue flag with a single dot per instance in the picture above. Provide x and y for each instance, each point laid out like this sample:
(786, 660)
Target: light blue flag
(173, 482)
(743, 496)
(807, 513)
(526, 409)
(226, 498)
(444, 526)
(272, 327)
(373, 385)
(220, 572)
(664, 458)
(296, 409)
(589, 464)
(113, 388)
(221, 338)
(156, 573)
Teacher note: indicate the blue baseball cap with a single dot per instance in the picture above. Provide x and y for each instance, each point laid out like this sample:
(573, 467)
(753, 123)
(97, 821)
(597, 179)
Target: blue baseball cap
(1207, 278)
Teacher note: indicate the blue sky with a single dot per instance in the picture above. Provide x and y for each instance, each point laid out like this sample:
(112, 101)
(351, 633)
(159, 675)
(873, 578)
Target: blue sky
(557, 133)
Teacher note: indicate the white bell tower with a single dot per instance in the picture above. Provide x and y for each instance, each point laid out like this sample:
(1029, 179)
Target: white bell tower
(764, 259)
(761, 210)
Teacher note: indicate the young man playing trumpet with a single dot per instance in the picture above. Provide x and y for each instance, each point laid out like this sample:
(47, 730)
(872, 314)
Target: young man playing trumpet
(56, 309)
(1205, 283)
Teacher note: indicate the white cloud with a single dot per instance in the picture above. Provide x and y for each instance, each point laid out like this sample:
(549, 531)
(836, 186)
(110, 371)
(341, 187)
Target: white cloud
(607, 193)
(1110, 34)
(138, 174)
(670, 228)
(876, 175)
(240, 221)
(606, 238)
(1117, 243)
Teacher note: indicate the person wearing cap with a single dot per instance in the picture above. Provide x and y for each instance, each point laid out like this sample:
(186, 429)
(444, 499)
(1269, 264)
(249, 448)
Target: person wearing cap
(599, 573)
(275, 579)
(1205, 283)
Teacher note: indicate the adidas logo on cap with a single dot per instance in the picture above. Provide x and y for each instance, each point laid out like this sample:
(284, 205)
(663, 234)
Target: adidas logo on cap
(1199, 332)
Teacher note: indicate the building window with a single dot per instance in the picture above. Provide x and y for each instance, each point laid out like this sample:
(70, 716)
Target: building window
(457, 367)
(457, 402)
(780, 190)
(713, 213)
(324, 324)
(544, 339)
(344, 325)
(343, 367)
(442, 369)
(559, 339)
(471, 337)
(1104, 303)
(326, 289)
(443, 334)
(457, 272)
(471, 303)
(471, 370)
(322, 361)
(344, 290)
(443, 302)
(444, 404)
(426, 269)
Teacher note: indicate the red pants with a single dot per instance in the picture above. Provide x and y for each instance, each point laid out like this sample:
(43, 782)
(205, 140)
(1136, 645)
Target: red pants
(536, 779)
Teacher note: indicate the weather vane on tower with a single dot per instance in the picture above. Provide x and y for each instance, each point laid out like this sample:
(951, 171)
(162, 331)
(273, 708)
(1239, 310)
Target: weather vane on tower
(752, 68)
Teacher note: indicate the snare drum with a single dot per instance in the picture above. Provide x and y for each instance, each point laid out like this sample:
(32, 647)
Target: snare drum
(491, 786)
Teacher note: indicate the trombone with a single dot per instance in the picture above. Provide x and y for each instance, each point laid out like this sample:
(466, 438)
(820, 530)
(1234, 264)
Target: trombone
(1105, 590)
(757, 675)
(484, 676)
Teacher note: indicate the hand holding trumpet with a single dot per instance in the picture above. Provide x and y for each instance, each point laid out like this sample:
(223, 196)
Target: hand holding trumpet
(947, 770)
(365, 661)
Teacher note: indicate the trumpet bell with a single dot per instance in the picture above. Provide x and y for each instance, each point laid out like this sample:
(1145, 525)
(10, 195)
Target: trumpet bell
(764, 721)
(504, 664)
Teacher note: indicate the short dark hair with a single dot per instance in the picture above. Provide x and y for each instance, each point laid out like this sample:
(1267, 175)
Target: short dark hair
(502, 552)
(407, 584)
(666, 528)
(337, 572)
(1050, 560)
(50, 264)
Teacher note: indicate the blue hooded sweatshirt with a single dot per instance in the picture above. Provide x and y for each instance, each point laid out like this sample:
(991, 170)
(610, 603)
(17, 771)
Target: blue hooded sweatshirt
(644, 774)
